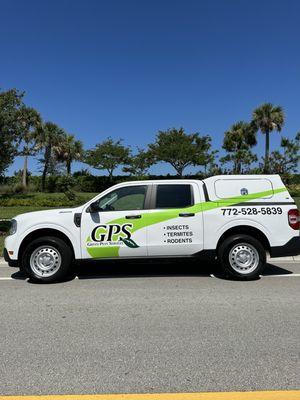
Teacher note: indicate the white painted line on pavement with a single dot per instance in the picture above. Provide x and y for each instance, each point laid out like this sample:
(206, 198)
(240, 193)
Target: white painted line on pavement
(271, 276)
(279, 276)
(8, 278)
(283, 262)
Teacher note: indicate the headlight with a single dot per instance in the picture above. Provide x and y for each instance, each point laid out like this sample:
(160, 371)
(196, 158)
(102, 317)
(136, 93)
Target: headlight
(13, 227)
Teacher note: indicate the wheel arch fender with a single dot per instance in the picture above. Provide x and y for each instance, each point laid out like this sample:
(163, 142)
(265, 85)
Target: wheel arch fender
(245, 227)
(49, 231)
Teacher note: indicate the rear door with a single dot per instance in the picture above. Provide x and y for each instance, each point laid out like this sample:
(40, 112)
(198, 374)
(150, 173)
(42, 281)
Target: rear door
(176, 213)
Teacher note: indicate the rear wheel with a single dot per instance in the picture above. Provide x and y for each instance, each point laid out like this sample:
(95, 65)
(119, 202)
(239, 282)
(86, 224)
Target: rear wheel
(242, 257)
(47, 259)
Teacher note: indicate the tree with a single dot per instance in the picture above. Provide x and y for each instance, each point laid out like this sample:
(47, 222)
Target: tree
(180, 149)
(108, 155)
(268, 118)
(139, 164)
(10, 128)
(214, 169)
(49, 140)
(287, 161)
(29, 120)
(237, 143)
(69, 150)
(205, 157)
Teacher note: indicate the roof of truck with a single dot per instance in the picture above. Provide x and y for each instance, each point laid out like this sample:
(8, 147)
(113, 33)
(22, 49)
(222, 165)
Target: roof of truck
(245, 176)
(215, 177)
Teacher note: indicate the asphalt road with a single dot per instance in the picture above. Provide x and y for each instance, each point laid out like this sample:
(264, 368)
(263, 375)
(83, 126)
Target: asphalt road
(150, 328)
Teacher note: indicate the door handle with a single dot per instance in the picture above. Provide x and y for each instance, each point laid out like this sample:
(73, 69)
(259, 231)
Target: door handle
(186, 214)
(133, 216)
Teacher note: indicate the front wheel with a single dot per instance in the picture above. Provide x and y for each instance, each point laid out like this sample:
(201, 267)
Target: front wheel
(242, 257)
(47, 259)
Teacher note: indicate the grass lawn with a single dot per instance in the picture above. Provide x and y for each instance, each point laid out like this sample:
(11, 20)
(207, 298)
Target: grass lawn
(10, 212)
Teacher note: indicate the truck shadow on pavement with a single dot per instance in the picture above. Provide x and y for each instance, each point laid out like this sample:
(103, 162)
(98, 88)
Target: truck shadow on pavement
(272, 269)
(133, 269)
(145, 269)
(172, 268)
(127, 269)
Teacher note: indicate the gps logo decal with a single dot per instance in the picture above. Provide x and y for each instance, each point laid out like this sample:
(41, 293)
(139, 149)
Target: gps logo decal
(112, 235)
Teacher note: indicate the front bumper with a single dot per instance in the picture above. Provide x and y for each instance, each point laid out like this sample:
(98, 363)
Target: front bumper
(10, 262)
(291, 248)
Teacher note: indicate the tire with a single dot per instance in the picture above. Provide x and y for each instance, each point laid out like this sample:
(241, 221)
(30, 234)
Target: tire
(242, 257)
(47, 259)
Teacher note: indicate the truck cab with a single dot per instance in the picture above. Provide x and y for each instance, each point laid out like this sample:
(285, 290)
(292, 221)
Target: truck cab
(235, 219)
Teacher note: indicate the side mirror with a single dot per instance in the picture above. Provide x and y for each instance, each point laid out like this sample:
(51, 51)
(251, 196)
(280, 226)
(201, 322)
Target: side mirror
(93, 207)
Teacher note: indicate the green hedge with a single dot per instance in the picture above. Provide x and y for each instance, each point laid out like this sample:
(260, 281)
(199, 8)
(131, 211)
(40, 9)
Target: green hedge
(44, 199)
(84, 182)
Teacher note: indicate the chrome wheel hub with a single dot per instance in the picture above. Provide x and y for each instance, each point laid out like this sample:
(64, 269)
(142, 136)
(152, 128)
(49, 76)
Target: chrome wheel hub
(45, 261)
(244, 258)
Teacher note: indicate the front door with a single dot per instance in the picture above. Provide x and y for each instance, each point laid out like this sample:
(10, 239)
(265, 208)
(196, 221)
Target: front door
(113, 229)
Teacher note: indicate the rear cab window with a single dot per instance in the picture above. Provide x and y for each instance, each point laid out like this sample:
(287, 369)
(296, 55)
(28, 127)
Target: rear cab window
(173, 196)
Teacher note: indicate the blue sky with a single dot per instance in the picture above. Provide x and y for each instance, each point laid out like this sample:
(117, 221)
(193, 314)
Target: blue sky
(127, 69)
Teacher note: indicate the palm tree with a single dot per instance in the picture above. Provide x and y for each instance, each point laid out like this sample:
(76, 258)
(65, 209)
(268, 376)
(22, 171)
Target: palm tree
(268, 118)
(49, 138)
(69, 151)
(29, 120)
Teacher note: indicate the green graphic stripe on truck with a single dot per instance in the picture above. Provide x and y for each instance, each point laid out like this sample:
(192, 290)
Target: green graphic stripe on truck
(156, 217)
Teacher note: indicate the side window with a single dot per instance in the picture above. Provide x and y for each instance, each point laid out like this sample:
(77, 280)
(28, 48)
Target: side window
(124, 199)
(173, 196)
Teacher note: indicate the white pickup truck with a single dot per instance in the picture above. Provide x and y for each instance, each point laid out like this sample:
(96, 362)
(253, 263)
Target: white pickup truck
(235, 219)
